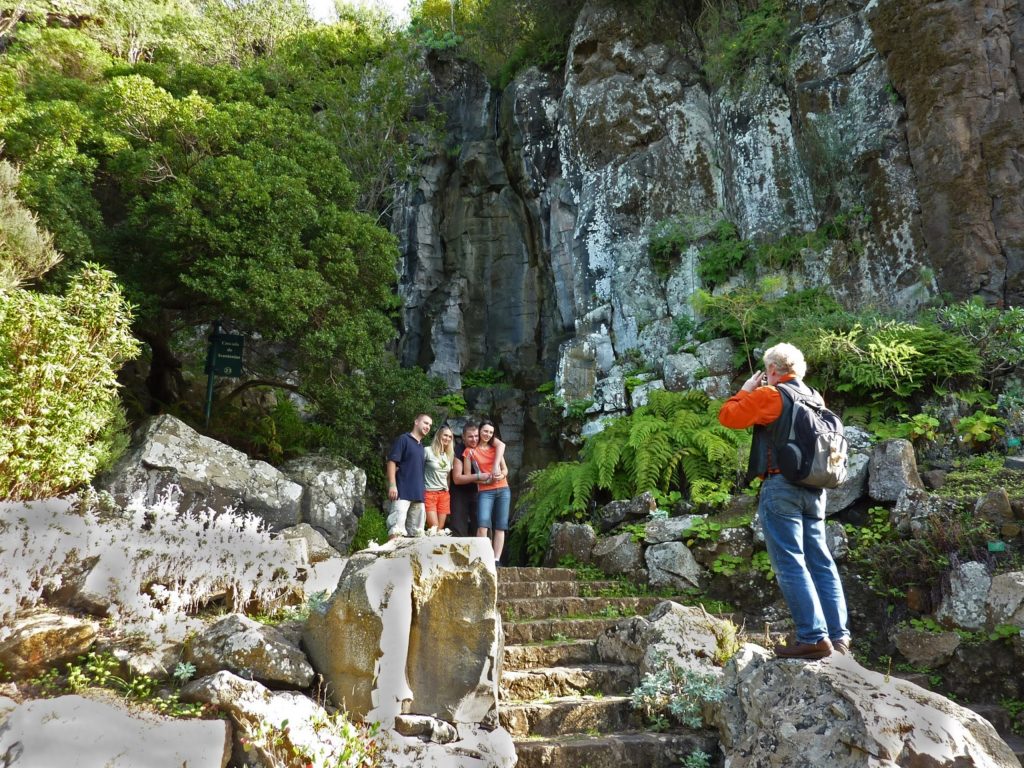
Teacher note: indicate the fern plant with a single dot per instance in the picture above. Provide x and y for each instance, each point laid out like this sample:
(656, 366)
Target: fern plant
(674, 443)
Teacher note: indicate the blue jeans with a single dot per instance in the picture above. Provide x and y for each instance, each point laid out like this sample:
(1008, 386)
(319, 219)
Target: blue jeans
(793, 518)
(492, 508)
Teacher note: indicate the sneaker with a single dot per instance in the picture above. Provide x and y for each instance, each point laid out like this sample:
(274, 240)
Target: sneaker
(842, 645)
(798, 650)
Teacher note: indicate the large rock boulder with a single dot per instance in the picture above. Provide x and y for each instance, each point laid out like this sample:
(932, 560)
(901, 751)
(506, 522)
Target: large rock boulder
(168, 453)
(963, 605)
(376, 640)
(332, 498)
(271, 728)
(893, 469)
(251, 650)
(575, 540)
(76, 732)
(1005, 601)
(837, 713)
(43, 640)
(672, 565)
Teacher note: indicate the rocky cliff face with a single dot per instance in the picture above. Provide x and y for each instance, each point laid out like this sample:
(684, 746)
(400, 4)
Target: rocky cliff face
(525, 244)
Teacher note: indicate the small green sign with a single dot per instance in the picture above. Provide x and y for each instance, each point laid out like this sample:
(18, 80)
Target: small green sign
(997, 546)
(225, 354)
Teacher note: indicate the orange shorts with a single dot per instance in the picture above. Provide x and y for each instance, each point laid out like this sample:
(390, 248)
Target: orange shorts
(438, 502)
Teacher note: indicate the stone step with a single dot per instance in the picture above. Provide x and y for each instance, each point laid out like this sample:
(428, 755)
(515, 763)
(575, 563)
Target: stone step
(620, 750)
(535, 574)
(552, 654)
(522, 632)
(510, 590)
(575, 715)
(525, 685)
(590, 607)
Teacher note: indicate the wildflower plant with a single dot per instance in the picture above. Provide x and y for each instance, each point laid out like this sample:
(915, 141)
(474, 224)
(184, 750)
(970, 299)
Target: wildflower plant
(672, 693)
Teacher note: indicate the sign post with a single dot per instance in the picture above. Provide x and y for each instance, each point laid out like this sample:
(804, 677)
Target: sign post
(223, 358)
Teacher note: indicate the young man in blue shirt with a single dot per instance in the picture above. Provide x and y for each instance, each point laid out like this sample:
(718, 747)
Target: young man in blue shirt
(406, 489)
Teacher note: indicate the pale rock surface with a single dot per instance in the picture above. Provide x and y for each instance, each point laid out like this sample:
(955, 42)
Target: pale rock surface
(641, 393)
(42, 640)
(852, 488)
(837, 541)
(672, 565)
(964, 605)
(834, 712)
(258, 713)
(474, 747)
(167, 453)
(332, 498)
(76, 732)
(616, 512)
(916, 509)
(926, 649)
(664, 529)
(618, 554)
(680, 371)
(716, 356)
(250, 650)
(624, 642)
(1005, 602)
(892, 469)
(716, 387)
(671, 634)
(376, 640)
(317, 548)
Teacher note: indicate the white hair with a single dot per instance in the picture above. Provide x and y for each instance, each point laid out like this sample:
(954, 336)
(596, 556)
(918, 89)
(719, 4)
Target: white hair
(787, 359)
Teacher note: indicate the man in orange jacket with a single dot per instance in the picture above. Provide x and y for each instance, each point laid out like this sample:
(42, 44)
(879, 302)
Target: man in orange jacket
(792, 515)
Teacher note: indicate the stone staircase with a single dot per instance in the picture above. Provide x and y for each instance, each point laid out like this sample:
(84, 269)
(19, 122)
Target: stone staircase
(562, 705)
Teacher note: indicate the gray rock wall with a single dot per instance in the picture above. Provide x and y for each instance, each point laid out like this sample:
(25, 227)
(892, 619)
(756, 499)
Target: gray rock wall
(525, 241)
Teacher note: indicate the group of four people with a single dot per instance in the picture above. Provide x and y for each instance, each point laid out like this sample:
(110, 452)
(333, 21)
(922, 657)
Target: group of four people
(467, 481)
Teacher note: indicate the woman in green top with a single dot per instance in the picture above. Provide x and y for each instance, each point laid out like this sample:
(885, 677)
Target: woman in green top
(440, 455)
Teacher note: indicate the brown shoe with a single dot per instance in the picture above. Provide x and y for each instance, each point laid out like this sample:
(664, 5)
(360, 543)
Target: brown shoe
(842, 645)
(797, 650)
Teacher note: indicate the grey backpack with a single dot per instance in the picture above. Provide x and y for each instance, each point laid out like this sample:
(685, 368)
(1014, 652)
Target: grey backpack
(815, 453)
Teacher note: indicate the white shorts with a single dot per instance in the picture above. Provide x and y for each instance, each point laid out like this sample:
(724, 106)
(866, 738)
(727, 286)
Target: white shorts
(406, 518)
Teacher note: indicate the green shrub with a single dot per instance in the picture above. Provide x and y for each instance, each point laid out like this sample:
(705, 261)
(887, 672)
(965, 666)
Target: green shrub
(671, 693)
(887, 357)
(59, 357)
(724, 256)
(666, 244)
(372, 526)
(762, 34)
(996, 334)
(483, 377)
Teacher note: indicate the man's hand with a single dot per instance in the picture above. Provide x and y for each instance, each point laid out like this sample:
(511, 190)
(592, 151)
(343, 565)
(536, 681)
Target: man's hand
(753, 382)
(393, 493)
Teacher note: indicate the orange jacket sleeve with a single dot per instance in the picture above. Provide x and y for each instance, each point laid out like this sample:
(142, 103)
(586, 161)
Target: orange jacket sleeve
(745, 409)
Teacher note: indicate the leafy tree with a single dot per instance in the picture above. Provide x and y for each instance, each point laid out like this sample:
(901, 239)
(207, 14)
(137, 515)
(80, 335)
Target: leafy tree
(220, 190)
(673, 443)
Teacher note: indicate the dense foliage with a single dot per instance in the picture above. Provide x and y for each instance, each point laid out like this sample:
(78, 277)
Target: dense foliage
(673, 443)
(234, 163)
